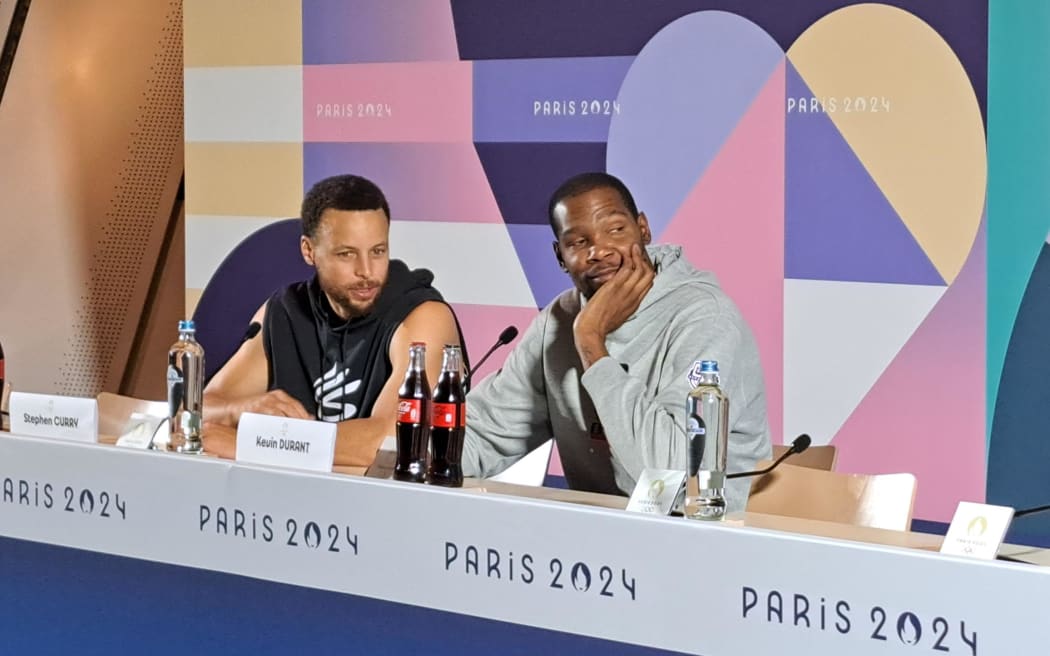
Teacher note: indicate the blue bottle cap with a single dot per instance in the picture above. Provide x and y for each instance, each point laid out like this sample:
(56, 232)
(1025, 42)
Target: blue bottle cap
(709, 366)
(187, 325)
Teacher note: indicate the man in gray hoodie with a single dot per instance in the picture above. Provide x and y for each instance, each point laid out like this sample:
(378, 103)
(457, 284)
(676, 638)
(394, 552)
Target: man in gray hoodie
(606, 367)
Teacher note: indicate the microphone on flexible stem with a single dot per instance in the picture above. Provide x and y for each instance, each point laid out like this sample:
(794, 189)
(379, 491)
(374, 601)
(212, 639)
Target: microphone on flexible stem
(800, 444)
(1030, 511)
(505, 337)
(249, 334)
(1034, 510)
(696, 453)
(253, 330)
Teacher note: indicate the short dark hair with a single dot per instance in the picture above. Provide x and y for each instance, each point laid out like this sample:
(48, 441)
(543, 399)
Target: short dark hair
(340, 192)
(584, 182)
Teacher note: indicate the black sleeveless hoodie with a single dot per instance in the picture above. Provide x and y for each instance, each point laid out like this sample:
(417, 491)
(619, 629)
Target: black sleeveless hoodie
(337, 368)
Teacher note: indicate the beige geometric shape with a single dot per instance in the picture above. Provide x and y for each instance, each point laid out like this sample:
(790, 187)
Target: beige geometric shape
(246, 179)
(242, 32)
(902, 100)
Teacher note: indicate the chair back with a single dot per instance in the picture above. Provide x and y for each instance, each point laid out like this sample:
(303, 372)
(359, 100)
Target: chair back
(815, 457)
(873, 500)
(531, 469)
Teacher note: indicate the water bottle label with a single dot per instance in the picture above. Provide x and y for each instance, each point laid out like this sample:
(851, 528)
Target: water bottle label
(173, 375)
(175, 391)
(695, 439)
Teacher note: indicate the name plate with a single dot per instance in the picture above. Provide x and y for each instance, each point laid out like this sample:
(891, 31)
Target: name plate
(284, 442)
(656, 491)
(62, 417)
(977, 530)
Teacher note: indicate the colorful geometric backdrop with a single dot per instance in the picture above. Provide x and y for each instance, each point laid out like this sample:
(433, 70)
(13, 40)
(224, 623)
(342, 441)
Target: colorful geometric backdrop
(826, 159)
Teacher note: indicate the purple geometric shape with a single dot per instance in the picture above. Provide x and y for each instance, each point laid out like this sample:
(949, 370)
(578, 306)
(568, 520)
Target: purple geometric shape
(533, 244)
(358, 31)
(524, 175)
(265, 261)
(546, 100)
(838, 224)
(422, 181)
(371, 160)
(685, 92)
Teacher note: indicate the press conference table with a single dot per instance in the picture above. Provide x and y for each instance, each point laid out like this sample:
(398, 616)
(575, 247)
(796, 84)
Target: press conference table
(116, 550)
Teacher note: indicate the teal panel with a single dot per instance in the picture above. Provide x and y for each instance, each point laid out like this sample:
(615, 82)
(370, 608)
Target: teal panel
(1018, 165)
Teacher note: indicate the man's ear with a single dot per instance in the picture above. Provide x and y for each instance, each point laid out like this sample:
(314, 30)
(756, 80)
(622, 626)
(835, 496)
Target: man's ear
(643, 227)
(557, 256)
(307, 249)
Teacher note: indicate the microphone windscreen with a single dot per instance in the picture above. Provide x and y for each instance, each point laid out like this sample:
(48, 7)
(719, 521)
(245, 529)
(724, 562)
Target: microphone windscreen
(253, 330)
(801, 443)
(509, 333)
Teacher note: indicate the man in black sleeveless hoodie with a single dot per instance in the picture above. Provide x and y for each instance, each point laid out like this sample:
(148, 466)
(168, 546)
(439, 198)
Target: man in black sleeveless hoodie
(334, 347)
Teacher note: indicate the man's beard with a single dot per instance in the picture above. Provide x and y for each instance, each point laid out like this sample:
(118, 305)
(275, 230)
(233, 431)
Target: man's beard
(346, 305)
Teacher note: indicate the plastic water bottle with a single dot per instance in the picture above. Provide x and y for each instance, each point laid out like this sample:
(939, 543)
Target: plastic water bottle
(707, 443)
(185, 390)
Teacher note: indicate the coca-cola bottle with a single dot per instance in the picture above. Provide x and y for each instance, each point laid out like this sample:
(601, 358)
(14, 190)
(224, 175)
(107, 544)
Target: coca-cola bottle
(413, 418)
(449, 419)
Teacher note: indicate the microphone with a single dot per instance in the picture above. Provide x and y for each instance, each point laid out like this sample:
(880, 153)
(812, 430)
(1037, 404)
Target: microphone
(800, 444)
(1030, 511)
(505, 337)
(253, 330)
(696, 452)
(249, 333)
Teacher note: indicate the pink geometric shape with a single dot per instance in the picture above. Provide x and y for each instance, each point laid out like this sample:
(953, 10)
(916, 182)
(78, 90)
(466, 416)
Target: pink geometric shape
(926, 413)
(393, 102)
(738, 207)
(482, 324)
(423, 181)
(554, 467)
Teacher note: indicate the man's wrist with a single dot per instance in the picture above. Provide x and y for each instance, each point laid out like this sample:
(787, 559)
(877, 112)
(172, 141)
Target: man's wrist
(591, 347)
(226, 412)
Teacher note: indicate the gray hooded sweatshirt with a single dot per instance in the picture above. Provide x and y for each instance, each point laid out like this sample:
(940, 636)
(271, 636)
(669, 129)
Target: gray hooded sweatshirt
(625, 413)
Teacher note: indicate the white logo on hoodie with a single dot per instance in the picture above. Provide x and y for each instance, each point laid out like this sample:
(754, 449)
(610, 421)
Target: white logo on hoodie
(332, 395)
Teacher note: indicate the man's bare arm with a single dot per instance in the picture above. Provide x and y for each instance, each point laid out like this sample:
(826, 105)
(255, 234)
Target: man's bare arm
(358, 439)
(240, 386)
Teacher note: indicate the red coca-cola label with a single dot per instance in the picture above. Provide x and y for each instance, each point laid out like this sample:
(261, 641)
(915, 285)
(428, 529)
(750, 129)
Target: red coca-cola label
(450, 415)
(409, 411)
